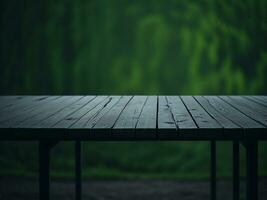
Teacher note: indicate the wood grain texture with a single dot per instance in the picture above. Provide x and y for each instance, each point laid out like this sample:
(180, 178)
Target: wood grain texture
(166, 123)
(205, 122)
(229, 127)
(147, 122)
(248, 125)
(7, 101)
(127, 121)
(71, 119)
(231, 113)
(102, 111)
(181, 115)
(23, 106)
(12, 119)
(102, 102)
(47, 112)
(103, 126)
(257, 100)
(251, 104)
(133, 117)
(252, 112)
(62, 114)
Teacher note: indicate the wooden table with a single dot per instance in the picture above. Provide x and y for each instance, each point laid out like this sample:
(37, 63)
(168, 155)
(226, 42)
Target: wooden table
(50, 119)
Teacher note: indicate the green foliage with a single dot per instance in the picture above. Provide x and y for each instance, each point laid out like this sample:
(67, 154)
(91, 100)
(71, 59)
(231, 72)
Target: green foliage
(128, 47)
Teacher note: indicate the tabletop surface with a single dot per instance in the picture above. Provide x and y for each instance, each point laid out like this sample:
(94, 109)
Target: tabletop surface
(133, 117)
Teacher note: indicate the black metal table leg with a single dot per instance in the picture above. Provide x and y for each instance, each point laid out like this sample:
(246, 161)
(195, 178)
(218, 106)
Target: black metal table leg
(44, 164)
(213, 169)
(78, 187)
(236, 186)
(252, 169)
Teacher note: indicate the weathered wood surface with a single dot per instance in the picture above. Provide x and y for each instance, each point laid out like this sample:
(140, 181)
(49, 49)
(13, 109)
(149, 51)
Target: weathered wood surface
(133, 117)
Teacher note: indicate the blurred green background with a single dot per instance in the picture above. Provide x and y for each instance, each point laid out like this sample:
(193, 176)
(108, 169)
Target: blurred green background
(131, 47)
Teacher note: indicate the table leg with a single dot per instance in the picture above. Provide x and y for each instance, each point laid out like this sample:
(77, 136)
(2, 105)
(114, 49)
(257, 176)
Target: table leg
(236, 187)
(44, 164)
(252, 169)
(213, 169)
(78, 188)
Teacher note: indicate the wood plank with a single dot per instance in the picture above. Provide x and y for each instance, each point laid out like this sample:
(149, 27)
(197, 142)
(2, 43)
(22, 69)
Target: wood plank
(147, 123)
(207, 125)
(182, 117)
(7, 98)
(245, 109)
(81, 123)
(233, 114)
(25, 116)
(22, 103)
(6, 101)
(104, 125)
(28, 102)
(21, 115)
(126, 117)
(261, 98)
(257, 100)
(27, 106)
(228, 125)
(167, 128)
(16, 105)
(66, 111)
(125, 125)
(101, 112)
(71, 119)
(251, 104)
(50, 110)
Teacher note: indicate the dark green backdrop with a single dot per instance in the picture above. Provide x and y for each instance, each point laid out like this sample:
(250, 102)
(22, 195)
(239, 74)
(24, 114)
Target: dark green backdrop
(131, 47)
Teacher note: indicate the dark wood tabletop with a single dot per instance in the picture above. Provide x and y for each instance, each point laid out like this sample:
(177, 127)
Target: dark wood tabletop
(133, 117)
(51, 119)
